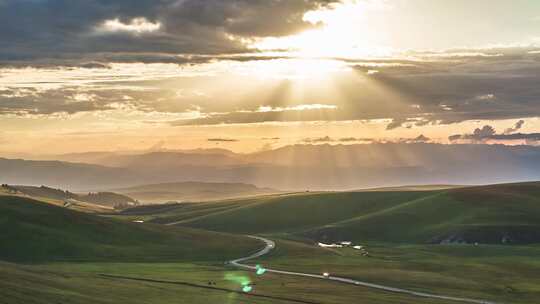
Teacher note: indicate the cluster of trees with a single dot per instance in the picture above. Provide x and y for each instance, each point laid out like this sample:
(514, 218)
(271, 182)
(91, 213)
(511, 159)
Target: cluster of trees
(9, 188)
(59, 192)
(125, 205)
(118, 201)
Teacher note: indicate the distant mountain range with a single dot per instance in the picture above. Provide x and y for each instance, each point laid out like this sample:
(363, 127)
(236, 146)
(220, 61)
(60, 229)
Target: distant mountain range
(297, 167)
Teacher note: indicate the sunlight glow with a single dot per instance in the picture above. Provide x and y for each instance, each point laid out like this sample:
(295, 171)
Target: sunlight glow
(293, 69)
(345, 32)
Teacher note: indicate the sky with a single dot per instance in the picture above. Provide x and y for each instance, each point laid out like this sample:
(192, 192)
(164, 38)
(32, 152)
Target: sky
(251, 75)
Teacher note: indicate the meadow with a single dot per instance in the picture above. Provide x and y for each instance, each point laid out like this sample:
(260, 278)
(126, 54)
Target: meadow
(52, 254)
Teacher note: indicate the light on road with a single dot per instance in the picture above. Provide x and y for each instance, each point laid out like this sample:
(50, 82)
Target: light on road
(260, 270)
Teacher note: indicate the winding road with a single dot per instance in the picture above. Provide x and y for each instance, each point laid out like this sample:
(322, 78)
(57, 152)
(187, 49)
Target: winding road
(269, 245)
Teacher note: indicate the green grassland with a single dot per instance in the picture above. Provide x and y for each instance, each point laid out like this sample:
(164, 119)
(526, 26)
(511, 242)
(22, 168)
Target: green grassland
(52, 254)
(56, 255)
(506, 274)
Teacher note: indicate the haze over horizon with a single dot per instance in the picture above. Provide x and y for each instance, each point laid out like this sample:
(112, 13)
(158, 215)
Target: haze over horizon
(174, 75)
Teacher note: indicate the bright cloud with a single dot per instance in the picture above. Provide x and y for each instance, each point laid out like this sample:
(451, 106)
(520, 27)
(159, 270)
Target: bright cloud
(136, 25)
(297, 108)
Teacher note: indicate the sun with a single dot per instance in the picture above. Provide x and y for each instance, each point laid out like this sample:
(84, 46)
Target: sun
(344, 32)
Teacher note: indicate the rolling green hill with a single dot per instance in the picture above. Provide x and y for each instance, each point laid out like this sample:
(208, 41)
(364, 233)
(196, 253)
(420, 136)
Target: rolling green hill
(508, 213)
(34, 231)
(105, 199)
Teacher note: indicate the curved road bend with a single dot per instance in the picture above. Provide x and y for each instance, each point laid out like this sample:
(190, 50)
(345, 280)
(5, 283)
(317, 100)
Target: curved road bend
(269, 245)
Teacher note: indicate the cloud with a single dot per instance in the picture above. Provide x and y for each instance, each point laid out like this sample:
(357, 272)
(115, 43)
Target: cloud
(70, 100)
(395, 123)
(421, 139)
(516, 127)
(410, 92)
(448, 90)
(95, 65)
(328, 139)
(301, 107)
(325, 139)
(32, 101)
(496, 84)
(264, 114)
(478, 135)
(222, 140)
(517, 136)
(407, 122)
(487, 132)
(349, 139)
(138, 25)
(67, 30)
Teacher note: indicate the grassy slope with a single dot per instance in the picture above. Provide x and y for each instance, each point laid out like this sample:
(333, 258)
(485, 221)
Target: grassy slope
(105, 199)
(75, 205)
(414, 188)
(485, 214)
(299, 212)
(479, 214)
(33, 231)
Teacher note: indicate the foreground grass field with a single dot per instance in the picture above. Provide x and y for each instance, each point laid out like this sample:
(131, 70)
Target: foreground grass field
(477, 242)
(173, 283)
(55, 255)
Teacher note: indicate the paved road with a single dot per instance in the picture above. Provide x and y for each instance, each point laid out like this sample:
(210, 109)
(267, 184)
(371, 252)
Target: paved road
(269, 245)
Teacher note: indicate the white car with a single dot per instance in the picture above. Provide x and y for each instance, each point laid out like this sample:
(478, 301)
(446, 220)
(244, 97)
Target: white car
(326, 275)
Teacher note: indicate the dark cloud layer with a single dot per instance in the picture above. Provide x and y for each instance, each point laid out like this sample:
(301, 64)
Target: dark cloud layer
(421, 88)
(33, 30)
